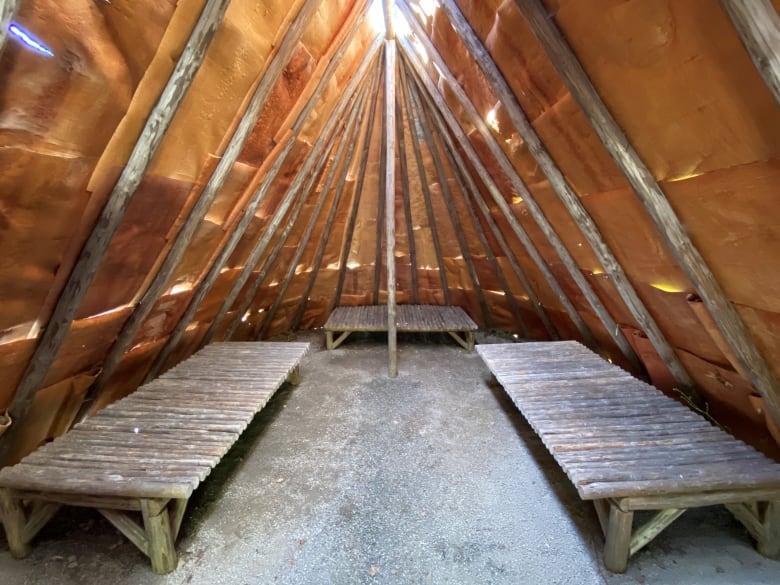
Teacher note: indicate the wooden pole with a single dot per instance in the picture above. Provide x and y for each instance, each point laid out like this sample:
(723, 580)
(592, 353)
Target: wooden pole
(348, 138)
(612, 328)
(477, 196)
(399, 117)
(210, 191)
(216, 269)
(426, 192)
(91, 254)
(325, 237)
(758, 26)
(389, 156)
(387, 7)
(8, 9)
(438, 102)
(649, 192)
(449, 203)
(380, 207)
(347, 246)
(567, 196)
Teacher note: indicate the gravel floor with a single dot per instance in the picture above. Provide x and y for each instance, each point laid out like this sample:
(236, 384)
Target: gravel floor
(354, 478)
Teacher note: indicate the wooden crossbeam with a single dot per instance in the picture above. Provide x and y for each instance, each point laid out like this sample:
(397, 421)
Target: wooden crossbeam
(389, 156)
(651, 195)
(437, 101)
(96, 245)
(758, 26)
(566, 195)
(8, 9)
(611, 327)
(213, 187)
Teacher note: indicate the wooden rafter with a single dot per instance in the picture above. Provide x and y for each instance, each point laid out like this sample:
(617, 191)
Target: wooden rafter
(8, 9)
(348, 137)
(326, 233)
(91, 254)
(610, 326)
(566, 195)
(428, 88)
(484, 209)
(449, 204)
(216, 269)
(389, 157)
(426, 192)
(213, 187)
(650, 193)
(758, 26)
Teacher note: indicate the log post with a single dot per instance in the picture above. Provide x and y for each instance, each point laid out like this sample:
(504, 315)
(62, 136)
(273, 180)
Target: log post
(97, 243)
(566, 195)
(402, 167)
(389, 156)
(14, 521)
(159, 537)
(649, 192)
(758, 27)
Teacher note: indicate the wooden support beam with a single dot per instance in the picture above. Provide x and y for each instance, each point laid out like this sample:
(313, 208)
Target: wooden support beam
(758, 26)
(91, 254)
(380, 206)
(566, 195)
(649, 192)
(14, 520)
(348, 138)
(311, 170)
(449, 203)
(467, 187)
(439, 103)
(426, 192)
(488, 216)
(387, 8)
(618, 539)
(219, 263)
(404, 175)
(347, 245)
(389, 156)
(347, 164)
(611, 327)
(8, 9)
(215, 183)
(159, 537)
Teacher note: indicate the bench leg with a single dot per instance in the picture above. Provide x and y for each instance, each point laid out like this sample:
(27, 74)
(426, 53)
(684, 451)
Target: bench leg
(618, 539)
(329, 339)
(295, 376)
(157, 525)
(762, 520)
(14, 520)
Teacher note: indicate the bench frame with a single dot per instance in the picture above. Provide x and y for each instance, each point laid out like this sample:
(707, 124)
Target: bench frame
(25, 512)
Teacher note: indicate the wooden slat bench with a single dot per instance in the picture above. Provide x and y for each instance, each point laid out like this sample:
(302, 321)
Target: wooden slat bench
(409, 318)
(626, 446)
(149, 451)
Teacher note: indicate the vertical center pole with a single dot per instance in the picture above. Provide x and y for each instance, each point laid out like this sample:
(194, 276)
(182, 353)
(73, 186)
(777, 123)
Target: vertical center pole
(389, 154)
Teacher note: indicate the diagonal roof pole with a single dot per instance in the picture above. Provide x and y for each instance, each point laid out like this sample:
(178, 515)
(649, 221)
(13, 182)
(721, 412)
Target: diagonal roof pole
(95, 247)
(215, 183)
(649, 192)
(758, 26)
(565, 193)
(216, 268)
(612, 328)
(437, 101)
(8, 9)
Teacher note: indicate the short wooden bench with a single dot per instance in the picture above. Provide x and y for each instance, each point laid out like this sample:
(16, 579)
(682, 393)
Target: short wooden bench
(409, 318)
(149, 451)
(626, 446)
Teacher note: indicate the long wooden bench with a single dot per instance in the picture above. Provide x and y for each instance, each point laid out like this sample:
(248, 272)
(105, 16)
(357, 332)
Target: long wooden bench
(149, 451)
(628, 447)
(409, 318)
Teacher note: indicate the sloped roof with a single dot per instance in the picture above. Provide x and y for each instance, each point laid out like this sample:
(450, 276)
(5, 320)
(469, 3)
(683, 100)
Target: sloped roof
(181, 172)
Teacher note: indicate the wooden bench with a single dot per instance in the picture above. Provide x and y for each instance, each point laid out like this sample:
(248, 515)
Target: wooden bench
(149, 451)
(628, 447)
(409, 318)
